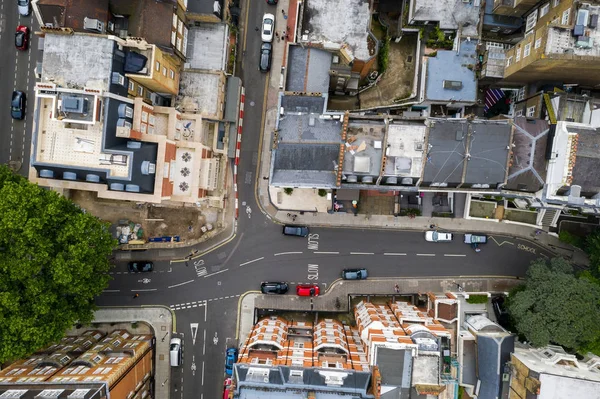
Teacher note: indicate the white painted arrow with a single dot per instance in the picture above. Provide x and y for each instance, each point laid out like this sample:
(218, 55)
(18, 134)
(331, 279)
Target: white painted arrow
(194, 327)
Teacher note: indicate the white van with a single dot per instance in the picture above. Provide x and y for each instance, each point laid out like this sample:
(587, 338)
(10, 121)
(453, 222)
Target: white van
(175, 352)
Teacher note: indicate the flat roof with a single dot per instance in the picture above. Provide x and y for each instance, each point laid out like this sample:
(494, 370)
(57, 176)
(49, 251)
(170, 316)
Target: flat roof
(199, 92)
(206, 47)
(308, 69)
(78, 61)
(489, 152)
(340, 22)
(71, 13)
(151, 20)
(451, 14)
(202, 6)
(364, 154)
(587, 161)
(448, 66)
(406, 143)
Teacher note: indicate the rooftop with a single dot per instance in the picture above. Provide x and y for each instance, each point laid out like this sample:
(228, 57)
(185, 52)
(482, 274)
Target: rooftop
(201, 6)
(338, 22)
(527, 171)
(564, 41)
(451, 14)
(78, 61)
(587, 161)
(71, 13)
(405, 149)
(207, 46)
(492, 353)
(311, 78)
(451, 76)
(199, 92)
(364, 149)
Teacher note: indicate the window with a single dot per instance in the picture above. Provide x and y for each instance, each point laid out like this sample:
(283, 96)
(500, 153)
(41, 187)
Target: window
(140, 91)
(157, 66)
(544, 9)
(521, 94)
(172, 73)
(565, 17)
(131, 86)
(508, 61)
(518, 57)
(527, 50)
(555, 3)
(165, 71)
(538, 42)
(531, 111)
(531, 19)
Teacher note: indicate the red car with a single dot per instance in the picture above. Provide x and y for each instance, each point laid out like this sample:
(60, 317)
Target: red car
(22, 38)
(307, 290)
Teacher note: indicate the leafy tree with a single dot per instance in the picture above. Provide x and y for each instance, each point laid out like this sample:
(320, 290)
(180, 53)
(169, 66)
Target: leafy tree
(53, 262)
(592, 247)
(554, 306)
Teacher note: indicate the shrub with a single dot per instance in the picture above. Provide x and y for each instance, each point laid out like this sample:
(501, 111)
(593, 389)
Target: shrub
(571, 239)
(288, 190)
(322, 192)
(383, 56)
(473, 299)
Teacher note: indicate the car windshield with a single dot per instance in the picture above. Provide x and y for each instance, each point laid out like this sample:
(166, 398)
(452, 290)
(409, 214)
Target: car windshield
(22, 2)
(173, 347)
(19, 39)
(435, 235)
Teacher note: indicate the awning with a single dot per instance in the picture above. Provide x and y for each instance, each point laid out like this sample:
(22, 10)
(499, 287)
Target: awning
(347, 194)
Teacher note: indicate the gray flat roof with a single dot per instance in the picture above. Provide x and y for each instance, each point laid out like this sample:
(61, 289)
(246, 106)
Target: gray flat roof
(311, 79)
(199, 92)
(305, 165)
(339, 21)
(78, 60)
(587, 163)
(206, 46)
(447, 66)
(303, 122)
(201, 6)
(489, 151)
(449, 13)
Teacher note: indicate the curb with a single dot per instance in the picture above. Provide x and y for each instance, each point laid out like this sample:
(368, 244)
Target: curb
(239, 312)
(238, 148)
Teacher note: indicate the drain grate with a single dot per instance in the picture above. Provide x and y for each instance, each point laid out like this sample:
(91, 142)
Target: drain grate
(409, 58)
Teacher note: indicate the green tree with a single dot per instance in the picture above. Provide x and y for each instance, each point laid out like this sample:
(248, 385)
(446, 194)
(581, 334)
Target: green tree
(592, 247)
(554, 306)
(53, 263)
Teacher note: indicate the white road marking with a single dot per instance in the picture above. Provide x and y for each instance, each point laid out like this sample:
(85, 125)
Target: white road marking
(180, 284)
(212, 274)
(327, 253)
(194, 327)
(203, 372)
(149, 289)
(251, 261)
(393, 254)
(287, 253)
(425, 254)
(362, 253)
(204, 343)
(111, 291)
(455, 255)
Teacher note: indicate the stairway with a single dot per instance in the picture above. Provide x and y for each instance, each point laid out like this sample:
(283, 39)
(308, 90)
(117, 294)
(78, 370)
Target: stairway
(548, 218)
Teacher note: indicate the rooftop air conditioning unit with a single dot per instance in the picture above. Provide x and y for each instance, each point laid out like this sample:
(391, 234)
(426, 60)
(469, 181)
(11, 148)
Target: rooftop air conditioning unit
(93, 25)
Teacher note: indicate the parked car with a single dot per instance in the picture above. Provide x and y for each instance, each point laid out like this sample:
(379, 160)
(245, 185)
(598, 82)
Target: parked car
(17, 105)
(274, 288)
(354, 274)
(298, 231)
(24, 7)
(438, 236)
(226, 388)
(268, 28)
(230, 359)
(175, 352)
(140, 266)
(307, 290)
(475, 239)
(22, 38)
(500, 311)
(264, 63)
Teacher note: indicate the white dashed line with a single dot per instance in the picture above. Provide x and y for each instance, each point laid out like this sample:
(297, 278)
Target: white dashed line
(362, 253)
(251, 261)
(286, 253)
(180, 284)
(111, 291)
(327, 253)
(425, 254)
(393, 254)
(455, 255)
(212, 274)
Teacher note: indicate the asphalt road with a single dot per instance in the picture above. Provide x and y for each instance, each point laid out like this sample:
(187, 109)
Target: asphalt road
(17, 69)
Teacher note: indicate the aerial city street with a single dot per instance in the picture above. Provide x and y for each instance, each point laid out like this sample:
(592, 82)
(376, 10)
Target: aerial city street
(300, 199)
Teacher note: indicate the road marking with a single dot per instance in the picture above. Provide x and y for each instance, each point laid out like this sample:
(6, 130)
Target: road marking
(203, 372)
(111, 291)
(455, 255)
(251, 261)
(362, 253)
(288, 253)
(327, 253)
(393, 254)
(149, 289)
(501, 243)
(180, 284)
(220, 271)
(204, 344)
(194, 327)
(425, 254)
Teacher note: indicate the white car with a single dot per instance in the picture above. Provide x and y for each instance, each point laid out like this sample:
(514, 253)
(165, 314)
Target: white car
(268, 28)
(24, 7)
(437, 236)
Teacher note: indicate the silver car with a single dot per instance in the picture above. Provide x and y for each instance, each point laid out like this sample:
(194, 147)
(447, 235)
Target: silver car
(24, 7)
(438, 236)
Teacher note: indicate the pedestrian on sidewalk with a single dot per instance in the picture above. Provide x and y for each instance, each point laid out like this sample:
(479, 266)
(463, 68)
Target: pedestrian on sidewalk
(397, 288)
(283, 12)
(136, 295)
(277, 34)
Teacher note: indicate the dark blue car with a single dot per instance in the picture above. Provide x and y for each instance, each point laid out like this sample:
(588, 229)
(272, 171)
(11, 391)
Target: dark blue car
(230, 359)
(17, 105)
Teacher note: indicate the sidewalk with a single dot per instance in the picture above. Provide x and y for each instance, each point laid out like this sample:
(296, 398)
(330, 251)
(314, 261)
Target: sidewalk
(162, 323)
(347, 220)
(342, 289)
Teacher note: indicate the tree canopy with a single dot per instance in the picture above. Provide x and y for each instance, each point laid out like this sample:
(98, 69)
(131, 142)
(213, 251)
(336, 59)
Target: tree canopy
(556, 307)
(53, 263)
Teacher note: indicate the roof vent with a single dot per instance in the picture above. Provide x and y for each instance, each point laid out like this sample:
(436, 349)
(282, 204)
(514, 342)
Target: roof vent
(452, 84)
(93, 25)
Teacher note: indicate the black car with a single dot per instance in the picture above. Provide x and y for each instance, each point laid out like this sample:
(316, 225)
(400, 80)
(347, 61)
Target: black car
(140, 266)
(500, 311)
(265, 57)
(298, 231)
(274, 288)
(17, 105)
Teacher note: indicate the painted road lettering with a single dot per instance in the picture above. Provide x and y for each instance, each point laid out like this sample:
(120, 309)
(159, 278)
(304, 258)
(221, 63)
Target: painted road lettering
(313, 242)
(313, 272)
(200, 271)
(526, 248)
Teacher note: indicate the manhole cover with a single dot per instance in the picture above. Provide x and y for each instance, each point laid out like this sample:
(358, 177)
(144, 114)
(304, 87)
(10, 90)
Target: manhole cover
(252, 103)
